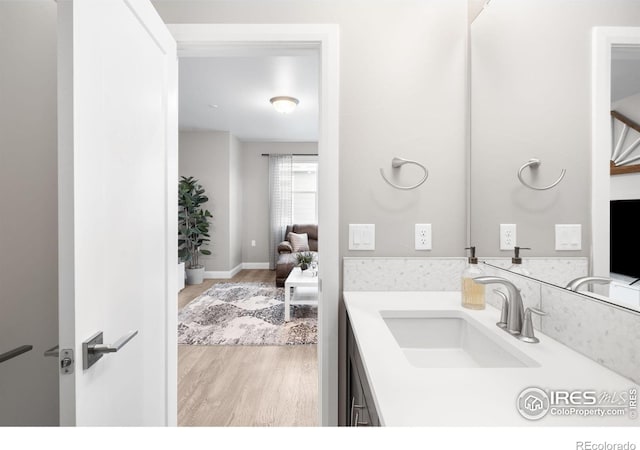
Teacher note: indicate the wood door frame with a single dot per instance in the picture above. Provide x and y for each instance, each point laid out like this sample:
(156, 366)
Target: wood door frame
(206, 39)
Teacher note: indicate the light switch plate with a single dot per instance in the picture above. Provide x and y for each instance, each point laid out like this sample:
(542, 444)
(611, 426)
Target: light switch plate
(362, 236)
(423, 236)
(568, 237)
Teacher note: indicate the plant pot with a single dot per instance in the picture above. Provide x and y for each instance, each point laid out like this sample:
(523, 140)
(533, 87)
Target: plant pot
(304, 267)
(195, 275)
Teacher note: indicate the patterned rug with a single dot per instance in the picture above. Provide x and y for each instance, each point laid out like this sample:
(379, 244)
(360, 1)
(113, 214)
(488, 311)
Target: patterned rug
(245, 314)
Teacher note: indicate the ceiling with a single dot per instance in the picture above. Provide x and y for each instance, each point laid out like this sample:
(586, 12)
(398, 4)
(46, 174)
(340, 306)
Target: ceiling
(625, 72)
(231, 92)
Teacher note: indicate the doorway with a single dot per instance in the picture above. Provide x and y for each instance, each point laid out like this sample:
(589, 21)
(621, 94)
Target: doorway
(203, 40)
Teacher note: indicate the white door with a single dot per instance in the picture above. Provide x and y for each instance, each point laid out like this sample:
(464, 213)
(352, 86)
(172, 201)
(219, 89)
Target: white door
(117, 162)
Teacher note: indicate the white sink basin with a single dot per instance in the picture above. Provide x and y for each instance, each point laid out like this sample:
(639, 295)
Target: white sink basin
(439, 339)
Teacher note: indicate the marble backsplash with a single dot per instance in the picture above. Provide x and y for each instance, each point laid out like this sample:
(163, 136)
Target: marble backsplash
(557, 270)
(603, 333)
(443, 274)
(606, 334)
(402, 274)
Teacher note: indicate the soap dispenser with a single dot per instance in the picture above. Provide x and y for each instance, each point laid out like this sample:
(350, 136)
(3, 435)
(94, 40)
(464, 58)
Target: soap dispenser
(516, 262)
(472, 292)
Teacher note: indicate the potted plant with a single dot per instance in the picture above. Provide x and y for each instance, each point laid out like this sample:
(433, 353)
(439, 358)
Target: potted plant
(193, 227)
(304, 259)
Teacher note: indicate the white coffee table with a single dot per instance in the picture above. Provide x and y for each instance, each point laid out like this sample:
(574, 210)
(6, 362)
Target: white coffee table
(300, 288)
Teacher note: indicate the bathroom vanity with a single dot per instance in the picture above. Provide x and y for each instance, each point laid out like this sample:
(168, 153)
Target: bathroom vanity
(361, 410)
(420, 359)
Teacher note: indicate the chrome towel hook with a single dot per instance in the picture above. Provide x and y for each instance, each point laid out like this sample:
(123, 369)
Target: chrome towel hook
(399, 162)
(534, 163)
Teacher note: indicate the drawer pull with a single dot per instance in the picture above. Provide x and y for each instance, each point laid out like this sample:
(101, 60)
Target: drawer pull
(357, 421)
(353, 408)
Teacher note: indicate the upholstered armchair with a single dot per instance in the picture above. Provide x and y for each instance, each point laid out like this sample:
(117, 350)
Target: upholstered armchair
(291, 246)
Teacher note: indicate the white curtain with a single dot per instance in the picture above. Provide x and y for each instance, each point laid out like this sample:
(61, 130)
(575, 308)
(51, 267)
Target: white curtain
(280, 202)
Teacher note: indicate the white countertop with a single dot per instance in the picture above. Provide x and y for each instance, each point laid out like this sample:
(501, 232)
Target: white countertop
(405, 395)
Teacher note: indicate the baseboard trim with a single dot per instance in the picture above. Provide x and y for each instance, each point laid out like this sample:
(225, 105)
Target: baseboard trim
(236, 270)
(222, 274)
(226, 274)
(217, 274)
(255, 265)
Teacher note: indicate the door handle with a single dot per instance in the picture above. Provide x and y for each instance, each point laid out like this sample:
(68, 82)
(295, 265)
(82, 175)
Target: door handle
(15, 352)
(53, 351)
(102, 348)
(93, 348)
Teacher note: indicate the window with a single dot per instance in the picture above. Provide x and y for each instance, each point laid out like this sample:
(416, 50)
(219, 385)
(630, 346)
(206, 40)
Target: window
(305, 189)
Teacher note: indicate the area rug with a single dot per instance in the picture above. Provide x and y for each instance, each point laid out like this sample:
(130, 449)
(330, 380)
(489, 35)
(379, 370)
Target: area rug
(245, 314)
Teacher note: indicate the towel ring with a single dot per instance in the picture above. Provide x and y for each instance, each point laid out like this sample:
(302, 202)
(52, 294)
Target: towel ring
(399, 162)
(534, 163)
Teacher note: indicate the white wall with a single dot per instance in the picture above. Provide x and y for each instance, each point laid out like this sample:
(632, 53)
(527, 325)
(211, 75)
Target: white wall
(531, 97)
(628, 106)
(235, 176)
(403, 92)
(205, 155)
(627, 186)
(236, 217)
(29, 217)
(255, 207)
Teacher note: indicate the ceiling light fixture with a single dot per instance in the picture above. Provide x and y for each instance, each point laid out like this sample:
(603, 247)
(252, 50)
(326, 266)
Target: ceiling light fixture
(284, 104)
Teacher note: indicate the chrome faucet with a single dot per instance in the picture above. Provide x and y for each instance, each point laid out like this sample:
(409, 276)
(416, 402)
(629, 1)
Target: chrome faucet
(515, 314)
(504, 314)
(574, 284)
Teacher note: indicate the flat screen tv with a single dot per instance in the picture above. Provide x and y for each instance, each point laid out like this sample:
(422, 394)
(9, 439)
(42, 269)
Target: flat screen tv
(625, 237)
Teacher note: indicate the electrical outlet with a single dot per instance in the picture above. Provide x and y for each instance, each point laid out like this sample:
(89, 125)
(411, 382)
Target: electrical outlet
(507, 236)
(423, 236)
(253, 242)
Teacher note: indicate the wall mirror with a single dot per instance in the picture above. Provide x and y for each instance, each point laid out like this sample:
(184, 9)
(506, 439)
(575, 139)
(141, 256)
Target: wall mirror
(545, 76)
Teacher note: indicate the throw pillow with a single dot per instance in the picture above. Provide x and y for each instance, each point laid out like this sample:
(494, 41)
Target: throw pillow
(299, 242)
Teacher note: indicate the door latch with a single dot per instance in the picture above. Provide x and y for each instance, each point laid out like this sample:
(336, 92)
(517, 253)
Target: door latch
(65, 357)
(67, 361)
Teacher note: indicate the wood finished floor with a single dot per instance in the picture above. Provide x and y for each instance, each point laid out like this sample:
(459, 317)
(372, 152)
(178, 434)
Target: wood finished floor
(246, 385)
